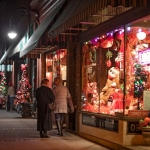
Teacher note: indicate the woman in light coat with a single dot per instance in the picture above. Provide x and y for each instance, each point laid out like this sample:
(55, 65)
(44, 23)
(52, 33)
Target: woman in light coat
(62, 96)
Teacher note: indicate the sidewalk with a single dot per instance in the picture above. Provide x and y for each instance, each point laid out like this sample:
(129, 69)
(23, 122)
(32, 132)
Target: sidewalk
(20, 133)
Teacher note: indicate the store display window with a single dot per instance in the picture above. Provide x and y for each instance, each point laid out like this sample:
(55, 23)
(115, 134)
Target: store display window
(115, 70)
(56, 65)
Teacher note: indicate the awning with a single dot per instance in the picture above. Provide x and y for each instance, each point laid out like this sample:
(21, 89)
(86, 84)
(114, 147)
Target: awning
(22, 28)
(93, 8)
(33, 41)
(114, 23)
(128, 3)
(3, 58)
(73, 8)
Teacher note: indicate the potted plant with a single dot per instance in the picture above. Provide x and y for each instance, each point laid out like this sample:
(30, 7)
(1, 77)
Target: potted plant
(144, 125)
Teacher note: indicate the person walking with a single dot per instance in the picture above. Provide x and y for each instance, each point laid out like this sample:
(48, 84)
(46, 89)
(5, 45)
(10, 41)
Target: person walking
(62, 96)
(11, 96)
(44, 96)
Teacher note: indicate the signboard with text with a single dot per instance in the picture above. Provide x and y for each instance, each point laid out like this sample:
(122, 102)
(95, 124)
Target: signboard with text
(137, 113)
(133, 127)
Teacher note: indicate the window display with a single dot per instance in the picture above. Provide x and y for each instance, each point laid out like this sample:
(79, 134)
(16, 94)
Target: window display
(57, 64)
(137, 62)
(116, 70)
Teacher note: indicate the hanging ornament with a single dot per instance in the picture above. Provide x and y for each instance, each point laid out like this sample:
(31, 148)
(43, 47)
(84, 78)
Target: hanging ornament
(108, 55)
(108, 63)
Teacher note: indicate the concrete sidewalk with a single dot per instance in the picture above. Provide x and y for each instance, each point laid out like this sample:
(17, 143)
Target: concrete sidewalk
(20, 133)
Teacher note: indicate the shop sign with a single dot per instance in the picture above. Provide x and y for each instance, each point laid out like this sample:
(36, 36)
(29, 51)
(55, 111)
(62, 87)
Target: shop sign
(144, 56)
(103, 123)
(138, 113)
(133, 127)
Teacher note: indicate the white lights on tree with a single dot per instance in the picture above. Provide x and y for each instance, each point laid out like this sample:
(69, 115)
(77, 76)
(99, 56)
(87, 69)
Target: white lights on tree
(141, 35)
(12, 35)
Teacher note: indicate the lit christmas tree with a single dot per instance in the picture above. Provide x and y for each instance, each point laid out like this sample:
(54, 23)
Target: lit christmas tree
(3, 83)
(23, 94)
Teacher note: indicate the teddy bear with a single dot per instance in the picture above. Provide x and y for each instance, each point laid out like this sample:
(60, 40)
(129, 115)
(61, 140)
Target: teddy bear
(111, 84)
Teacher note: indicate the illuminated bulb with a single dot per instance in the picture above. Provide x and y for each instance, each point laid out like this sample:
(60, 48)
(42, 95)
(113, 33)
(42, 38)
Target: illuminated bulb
(12, 35)
(141, 35)
(129, 28)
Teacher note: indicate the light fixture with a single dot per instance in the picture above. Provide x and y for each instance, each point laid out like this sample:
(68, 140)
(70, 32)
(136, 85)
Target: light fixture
(13, 33)
(141, 35)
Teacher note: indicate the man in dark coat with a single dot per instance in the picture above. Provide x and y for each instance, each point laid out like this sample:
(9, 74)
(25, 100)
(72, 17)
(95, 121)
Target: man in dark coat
(44, 96)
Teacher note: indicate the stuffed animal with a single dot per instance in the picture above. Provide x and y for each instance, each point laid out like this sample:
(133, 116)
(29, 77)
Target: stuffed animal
(111, 84)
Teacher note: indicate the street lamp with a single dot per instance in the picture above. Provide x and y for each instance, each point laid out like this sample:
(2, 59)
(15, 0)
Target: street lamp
(12, 32)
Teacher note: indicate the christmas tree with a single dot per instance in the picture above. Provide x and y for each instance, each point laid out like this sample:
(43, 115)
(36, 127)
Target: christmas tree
(23, 94)
(3, 83)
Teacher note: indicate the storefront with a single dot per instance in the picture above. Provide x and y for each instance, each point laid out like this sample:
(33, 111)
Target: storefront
(56, 65)
(115, 84)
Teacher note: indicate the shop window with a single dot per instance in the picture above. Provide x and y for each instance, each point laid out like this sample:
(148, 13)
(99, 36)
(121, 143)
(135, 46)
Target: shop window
(56, 65)
(102, 73)
(138, 65)
(116, 71)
